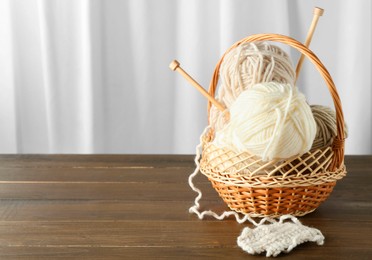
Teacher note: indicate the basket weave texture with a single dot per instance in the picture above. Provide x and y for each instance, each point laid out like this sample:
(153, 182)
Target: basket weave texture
(295, 186)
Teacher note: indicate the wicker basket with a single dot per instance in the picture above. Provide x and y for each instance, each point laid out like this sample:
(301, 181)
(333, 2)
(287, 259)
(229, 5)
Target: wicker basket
(294, 186)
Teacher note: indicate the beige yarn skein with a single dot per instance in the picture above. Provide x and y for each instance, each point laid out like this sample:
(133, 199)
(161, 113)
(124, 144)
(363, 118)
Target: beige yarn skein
(325, 119)
(245, 66)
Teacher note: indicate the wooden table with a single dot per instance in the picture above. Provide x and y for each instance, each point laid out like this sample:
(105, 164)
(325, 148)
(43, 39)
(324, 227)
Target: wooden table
(136, 207)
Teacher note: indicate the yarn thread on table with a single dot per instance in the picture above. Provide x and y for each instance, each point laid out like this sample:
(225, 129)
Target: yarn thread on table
(271, 120)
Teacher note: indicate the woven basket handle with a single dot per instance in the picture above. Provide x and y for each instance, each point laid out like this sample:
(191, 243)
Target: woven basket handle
(338, 143)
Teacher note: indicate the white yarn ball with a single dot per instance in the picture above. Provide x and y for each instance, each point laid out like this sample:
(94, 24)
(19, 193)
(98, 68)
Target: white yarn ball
(271, 120)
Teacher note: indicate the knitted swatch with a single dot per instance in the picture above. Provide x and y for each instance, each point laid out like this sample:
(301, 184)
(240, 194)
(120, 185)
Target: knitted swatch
(278, 237)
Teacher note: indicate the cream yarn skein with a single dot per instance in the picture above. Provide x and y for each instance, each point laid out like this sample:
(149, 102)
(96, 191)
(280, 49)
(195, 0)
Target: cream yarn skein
(271, 120)
(247, 65)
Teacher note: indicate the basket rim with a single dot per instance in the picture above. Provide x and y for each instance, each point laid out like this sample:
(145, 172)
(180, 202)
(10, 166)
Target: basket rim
(276, 182)
(268, 174)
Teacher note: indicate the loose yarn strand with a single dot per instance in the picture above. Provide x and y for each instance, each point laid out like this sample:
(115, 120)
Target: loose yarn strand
(196, 207)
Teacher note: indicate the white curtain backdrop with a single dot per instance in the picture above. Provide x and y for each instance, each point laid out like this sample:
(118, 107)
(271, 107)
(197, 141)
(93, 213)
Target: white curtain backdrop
(80, 76)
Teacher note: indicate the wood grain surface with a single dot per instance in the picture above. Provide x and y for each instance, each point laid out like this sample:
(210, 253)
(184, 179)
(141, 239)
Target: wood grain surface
(136, 207)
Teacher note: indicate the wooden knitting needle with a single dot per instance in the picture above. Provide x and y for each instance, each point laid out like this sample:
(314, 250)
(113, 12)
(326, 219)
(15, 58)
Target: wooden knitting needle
(317, 13)
(175, 66)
